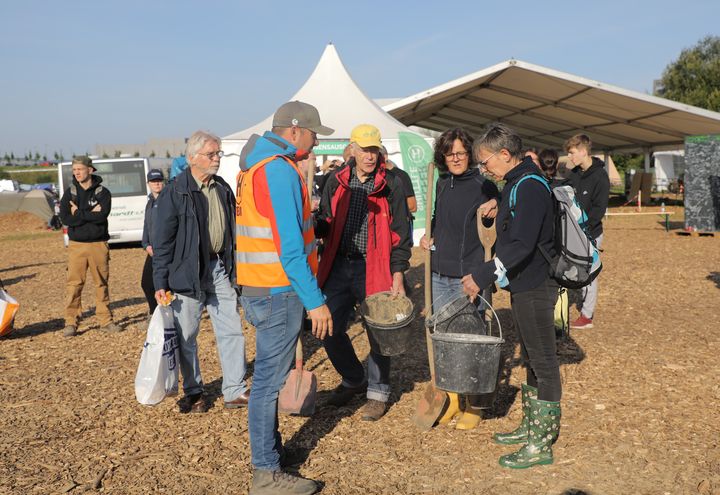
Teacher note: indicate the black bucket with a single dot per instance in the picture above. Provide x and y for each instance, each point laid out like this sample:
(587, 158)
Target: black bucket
(466, 360)
(387, 321)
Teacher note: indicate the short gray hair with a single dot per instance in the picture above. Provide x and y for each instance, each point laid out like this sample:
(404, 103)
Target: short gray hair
(496, 137)
(196, 142)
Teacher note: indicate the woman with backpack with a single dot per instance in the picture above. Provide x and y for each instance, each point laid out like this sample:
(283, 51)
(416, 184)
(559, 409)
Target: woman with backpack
(454, 241)
(520, 268)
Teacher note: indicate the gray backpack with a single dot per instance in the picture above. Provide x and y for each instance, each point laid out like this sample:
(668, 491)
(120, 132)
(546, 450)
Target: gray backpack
(577, 260)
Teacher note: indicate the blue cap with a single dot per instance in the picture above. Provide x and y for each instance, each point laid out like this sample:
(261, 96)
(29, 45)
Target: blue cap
(155, 174)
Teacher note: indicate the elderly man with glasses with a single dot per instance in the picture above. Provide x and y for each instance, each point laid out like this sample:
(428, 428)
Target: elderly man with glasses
(194, 257)
(365, 223)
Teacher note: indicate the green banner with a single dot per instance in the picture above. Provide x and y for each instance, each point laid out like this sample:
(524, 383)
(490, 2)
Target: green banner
(416, 154)
(330, 147)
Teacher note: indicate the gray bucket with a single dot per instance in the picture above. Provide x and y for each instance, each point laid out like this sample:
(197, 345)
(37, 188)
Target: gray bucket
(465, 363)
(387, 321)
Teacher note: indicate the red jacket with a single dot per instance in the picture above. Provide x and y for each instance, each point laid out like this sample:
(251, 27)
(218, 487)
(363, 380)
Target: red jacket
(388, 246)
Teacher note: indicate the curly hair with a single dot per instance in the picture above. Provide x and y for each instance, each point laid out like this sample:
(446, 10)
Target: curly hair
(445, 143)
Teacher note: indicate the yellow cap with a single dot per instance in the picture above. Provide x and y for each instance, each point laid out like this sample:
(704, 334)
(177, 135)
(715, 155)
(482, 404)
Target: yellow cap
(366, 135)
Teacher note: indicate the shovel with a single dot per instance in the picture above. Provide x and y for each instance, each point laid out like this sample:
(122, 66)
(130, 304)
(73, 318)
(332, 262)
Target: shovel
(488, 236)
(300, 390)
(433, 401)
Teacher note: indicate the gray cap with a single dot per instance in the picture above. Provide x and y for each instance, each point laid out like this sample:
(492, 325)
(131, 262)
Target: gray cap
(83, 160)
(300, 114)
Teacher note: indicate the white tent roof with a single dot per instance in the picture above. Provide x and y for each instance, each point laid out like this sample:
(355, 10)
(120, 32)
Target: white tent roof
(341, 103)
(547, 106)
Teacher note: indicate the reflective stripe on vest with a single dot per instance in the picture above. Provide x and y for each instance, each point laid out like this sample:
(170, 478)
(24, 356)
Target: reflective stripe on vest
(257, 260)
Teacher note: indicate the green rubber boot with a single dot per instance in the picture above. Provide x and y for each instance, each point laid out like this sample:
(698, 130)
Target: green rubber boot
(543, 430)
(519, 435)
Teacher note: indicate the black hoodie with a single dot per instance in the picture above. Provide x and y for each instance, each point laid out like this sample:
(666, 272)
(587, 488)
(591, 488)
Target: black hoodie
(86, 225)
(592, 190)
(454, 225)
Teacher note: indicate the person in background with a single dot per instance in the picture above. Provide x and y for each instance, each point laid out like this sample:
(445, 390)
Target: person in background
(310, 163)
(179, 164)
(592, 190)
(550, 166)
(156, 182)
(455, 243)
(532, 153)
(277, 264)
(84, 208)
(519, 267)
(364, 221)
(406, 182)
(194, 257)
(326, 169)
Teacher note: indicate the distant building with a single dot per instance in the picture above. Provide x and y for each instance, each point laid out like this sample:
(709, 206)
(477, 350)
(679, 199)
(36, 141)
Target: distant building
(153, 147)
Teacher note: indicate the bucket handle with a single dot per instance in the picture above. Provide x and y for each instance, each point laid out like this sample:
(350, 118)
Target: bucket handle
(487, 307)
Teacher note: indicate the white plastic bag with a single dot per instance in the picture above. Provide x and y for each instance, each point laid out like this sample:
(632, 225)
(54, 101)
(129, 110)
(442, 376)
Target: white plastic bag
(8, 308)
(157, 374)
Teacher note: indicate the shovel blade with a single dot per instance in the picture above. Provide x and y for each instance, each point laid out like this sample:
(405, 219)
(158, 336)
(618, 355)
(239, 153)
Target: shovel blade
(429, 407)
(298, 394)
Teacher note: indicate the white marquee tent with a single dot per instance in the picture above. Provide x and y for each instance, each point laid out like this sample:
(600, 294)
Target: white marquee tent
(342, 106)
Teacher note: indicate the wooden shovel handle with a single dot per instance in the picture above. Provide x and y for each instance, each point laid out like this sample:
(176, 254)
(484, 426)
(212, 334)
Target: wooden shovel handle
(428, 226)
(428, 276)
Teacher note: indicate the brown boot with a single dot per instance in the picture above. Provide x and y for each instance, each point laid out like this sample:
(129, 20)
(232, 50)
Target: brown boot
(373, 410)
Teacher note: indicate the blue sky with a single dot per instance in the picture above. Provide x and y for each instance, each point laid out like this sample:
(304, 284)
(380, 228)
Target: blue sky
(79, 73)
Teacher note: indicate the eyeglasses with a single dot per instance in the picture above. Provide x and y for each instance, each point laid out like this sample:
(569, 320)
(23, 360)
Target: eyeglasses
(213, 154)
(483, 163)
(460, 155)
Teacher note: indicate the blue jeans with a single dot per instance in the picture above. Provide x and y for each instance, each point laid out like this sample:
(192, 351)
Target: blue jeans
(277, 320)
(344, 288)
(220, 299)
(444, 290)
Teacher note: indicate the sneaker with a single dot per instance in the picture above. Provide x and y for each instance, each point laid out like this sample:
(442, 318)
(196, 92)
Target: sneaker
(582, 322)
(373, 410)
(70, 331)
(342, 394)
(111, 328)
(266, 482)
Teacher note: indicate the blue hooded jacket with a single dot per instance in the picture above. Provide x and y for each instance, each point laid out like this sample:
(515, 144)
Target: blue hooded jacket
(286, 212)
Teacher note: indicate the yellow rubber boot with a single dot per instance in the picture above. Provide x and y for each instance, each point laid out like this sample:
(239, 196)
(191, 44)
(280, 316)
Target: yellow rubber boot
(452, 409)
(470, 418)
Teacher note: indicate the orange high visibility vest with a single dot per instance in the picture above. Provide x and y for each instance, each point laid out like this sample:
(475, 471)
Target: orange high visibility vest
(256, 257)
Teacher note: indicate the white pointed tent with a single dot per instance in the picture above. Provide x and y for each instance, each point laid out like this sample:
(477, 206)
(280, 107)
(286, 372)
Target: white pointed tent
(342, 106)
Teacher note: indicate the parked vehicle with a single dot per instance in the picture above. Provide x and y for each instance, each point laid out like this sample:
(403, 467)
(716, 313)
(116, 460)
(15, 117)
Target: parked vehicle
(126, 180)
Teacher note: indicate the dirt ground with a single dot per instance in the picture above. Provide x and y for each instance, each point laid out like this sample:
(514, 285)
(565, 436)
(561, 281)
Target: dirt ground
(640, 403)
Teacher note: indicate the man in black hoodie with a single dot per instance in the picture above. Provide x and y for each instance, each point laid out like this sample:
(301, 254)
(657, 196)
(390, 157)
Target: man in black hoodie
(84, 208)
(592, 189)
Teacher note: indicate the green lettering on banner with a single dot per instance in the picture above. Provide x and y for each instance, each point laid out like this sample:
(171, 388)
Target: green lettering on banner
(330, 147)
(416, 154)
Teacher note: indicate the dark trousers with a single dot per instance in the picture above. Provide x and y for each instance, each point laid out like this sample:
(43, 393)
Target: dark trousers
(344, 288)
(533, 313)
(146, 282)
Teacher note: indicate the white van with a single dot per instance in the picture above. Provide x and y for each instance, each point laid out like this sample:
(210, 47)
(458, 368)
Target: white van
(126, 178)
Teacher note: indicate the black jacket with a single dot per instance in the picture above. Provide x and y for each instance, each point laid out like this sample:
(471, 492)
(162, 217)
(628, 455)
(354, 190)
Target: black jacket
(592, 190)
(518, 236)
(180, 237)
(150, 213)
(454, 224)
(86, 225)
